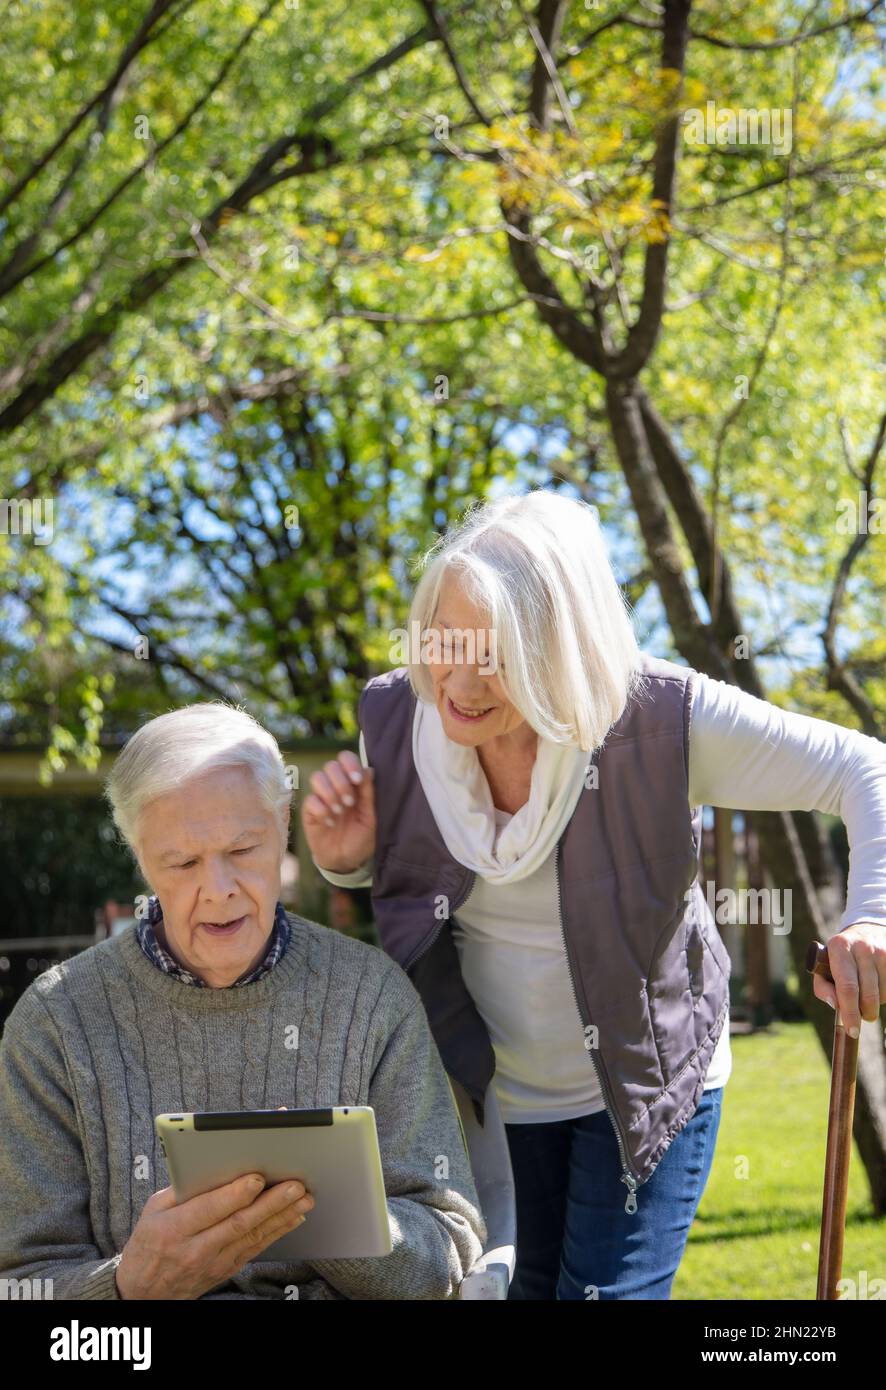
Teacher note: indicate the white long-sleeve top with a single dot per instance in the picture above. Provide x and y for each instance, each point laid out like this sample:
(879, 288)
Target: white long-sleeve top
(744, 754)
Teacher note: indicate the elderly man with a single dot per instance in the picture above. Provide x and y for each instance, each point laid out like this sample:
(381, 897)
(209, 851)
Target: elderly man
(196, 1008)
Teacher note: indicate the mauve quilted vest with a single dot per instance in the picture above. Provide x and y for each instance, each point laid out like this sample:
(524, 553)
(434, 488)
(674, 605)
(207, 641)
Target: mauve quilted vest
(649, 968)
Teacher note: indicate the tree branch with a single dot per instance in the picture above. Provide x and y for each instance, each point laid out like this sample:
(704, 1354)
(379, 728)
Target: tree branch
(839, 678)
(11, 276)
(314, 156)
(644, 333)
(144, 35)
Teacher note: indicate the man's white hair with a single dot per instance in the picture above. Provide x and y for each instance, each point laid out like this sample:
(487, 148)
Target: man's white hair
(537, 567)
(173, 748)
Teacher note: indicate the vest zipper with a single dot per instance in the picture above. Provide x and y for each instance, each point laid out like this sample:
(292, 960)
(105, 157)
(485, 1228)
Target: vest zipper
(627, 1176)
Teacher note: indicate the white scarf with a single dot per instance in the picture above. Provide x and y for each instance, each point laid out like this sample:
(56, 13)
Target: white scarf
(459, 797)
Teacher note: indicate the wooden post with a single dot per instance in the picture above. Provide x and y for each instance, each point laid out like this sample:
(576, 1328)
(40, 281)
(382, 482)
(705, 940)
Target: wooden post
(724, 849)
(759, 991)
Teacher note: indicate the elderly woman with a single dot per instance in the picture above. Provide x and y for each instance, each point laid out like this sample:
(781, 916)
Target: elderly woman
(527, 809)
(193, 1009)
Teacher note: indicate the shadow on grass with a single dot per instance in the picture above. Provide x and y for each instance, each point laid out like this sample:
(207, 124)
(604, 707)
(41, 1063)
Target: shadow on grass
(741, 1224)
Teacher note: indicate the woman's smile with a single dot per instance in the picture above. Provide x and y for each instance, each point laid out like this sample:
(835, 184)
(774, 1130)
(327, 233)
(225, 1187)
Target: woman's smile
(467, 715)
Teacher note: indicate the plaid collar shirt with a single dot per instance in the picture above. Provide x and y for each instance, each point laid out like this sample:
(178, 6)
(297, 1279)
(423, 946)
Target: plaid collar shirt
(146, 931)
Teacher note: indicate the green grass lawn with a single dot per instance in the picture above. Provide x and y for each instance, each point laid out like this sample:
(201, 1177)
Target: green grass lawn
(756, 1236)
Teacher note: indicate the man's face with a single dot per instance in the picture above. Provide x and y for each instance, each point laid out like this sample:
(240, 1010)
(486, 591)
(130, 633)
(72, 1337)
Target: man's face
(212, 851)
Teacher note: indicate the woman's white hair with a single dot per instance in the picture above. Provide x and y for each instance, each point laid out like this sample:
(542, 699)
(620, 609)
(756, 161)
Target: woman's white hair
(537, 567)
(171, 749)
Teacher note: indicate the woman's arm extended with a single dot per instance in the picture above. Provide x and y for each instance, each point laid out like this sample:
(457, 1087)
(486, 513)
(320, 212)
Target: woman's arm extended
(436, 1225)
(45, 1230)
(748, 754)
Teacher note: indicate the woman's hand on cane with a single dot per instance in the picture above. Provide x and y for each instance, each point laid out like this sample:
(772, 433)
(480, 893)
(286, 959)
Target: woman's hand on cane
(339, 815)
(857, 959)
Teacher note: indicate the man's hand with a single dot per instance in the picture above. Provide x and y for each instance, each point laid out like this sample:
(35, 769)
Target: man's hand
(181, 1250)
(857, 957)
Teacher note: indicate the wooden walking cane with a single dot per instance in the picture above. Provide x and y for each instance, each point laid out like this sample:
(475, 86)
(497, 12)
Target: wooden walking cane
(839, 1145)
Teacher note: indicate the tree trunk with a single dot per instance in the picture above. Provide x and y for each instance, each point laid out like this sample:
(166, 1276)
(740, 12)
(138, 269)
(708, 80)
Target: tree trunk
(759, 988)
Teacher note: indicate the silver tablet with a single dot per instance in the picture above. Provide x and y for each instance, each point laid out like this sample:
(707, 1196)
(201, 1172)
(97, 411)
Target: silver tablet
(334, 1152)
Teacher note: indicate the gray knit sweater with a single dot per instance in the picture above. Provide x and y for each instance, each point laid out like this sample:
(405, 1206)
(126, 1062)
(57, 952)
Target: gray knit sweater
(99, 1045)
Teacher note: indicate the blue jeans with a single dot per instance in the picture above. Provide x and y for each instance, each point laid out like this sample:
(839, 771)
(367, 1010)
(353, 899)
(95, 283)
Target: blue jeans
(574, 1238)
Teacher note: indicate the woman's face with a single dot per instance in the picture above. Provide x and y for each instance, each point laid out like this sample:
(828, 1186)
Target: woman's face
(459, 687)
(212, 851)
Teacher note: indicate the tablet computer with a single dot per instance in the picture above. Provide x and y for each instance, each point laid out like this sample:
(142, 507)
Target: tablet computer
(334, 1152)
